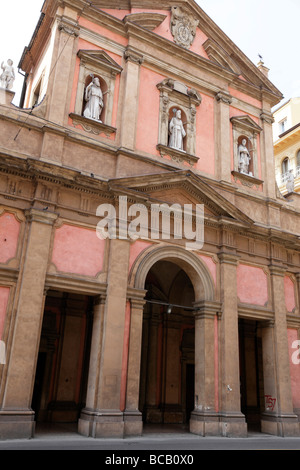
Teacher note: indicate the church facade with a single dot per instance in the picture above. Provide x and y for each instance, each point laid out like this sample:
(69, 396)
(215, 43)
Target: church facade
(149, 265)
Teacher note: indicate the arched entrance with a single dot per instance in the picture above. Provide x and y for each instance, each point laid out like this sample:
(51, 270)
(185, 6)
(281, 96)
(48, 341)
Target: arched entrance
(177, 375)
(168, 346)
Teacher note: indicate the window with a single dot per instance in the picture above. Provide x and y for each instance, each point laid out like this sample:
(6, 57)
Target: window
(285, 166)
(298, 164)
(283, 126)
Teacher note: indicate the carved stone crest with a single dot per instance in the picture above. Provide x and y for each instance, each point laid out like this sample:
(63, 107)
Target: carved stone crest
(183, 27)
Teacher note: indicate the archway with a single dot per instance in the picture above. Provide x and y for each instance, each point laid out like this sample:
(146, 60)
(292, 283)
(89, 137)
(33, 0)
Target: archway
(168, 346)
(176, 280)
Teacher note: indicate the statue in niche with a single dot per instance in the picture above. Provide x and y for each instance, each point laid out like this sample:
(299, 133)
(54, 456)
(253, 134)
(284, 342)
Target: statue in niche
(177, 132)
(7, 77)
(244, 158)
(94, 100)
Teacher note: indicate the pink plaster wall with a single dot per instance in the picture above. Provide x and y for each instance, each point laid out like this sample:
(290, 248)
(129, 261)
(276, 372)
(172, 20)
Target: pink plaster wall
(4, 295)
(103, 31)
(289, 291)
(252, 285)
(243, 97)
(211, 266)
(148, 111)
(78, 250)
(9, 234)
(205, 149)
(294, 368)
(135, 249)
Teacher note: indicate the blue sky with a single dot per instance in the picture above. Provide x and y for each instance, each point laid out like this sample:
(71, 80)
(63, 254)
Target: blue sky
(266, 27)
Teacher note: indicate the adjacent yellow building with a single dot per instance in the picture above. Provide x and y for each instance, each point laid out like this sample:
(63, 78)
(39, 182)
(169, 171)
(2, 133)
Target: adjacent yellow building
(286, 135)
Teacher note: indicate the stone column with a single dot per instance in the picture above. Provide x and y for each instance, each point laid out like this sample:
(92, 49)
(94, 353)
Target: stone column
(279, 418)
(231, 419)
(130, 102)
(16, 415)
(106, 418)
(223, 138)
(95, 357)
(204, 419)
(133, 424)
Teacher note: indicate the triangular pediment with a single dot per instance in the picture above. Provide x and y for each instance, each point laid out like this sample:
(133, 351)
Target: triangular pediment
(100, 58)
(246, 122)
(181, 187)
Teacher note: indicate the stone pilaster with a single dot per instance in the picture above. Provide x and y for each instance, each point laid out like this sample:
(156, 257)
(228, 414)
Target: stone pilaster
(16, 415)
(267, 154)
(279, 418)
(204, 419)
(133, 424)
(106, 418)
(222, 137)
(60, 86)
(231, 419)
(131, 72)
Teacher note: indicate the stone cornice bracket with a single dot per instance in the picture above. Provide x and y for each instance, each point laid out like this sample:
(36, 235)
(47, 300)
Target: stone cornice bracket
(133, 56)
(183, 27)
(42, 216)
(69, 27)
(267, 117)
(224, 97)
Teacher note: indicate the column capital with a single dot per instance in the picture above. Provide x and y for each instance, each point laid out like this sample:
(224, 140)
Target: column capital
(42, 216)
(136, 297)
(133, 56)
(224, 97)
(277, 270)
(207, 309)
(229, 258)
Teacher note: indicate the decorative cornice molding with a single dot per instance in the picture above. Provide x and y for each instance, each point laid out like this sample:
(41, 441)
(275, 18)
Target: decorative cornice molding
(92, 126)
(176, 155)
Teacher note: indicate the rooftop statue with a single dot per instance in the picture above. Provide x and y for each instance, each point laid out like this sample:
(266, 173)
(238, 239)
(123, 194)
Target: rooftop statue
(7, 77)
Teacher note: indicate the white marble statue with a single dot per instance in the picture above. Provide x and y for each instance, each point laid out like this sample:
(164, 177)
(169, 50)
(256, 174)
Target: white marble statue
(290, 183)
(7, 77)
(177, 132)
(244, 158)
(94, 100)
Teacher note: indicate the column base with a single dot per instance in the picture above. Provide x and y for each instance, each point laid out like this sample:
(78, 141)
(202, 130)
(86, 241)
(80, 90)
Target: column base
(284, 426)
(133, 423)
(101, 423)
(233, 425)
(17, 425)
(204, 424)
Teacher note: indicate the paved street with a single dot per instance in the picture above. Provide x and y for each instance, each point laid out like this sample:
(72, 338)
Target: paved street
(62, 438)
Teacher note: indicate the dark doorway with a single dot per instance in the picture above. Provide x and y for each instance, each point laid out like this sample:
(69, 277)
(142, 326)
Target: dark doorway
(251, 373)
(63, 360)
(168, 347)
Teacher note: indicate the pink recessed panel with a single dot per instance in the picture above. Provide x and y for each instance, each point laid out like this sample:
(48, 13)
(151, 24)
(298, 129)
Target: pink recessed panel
(252, 285)
(78, 250)
(9, 234)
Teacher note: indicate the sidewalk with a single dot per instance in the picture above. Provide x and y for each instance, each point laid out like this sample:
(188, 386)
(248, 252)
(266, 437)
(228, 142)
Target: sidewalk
(65, 437)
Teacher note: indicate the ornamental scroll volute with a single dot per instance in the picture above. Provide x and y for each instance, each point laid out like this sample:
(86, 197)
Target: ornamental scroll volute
(183, 27)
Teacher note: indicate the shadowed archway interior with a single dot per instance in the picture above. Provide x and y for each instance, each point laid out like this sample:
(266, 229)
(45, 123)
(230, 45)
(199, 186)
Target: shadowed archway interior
(168, 346)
